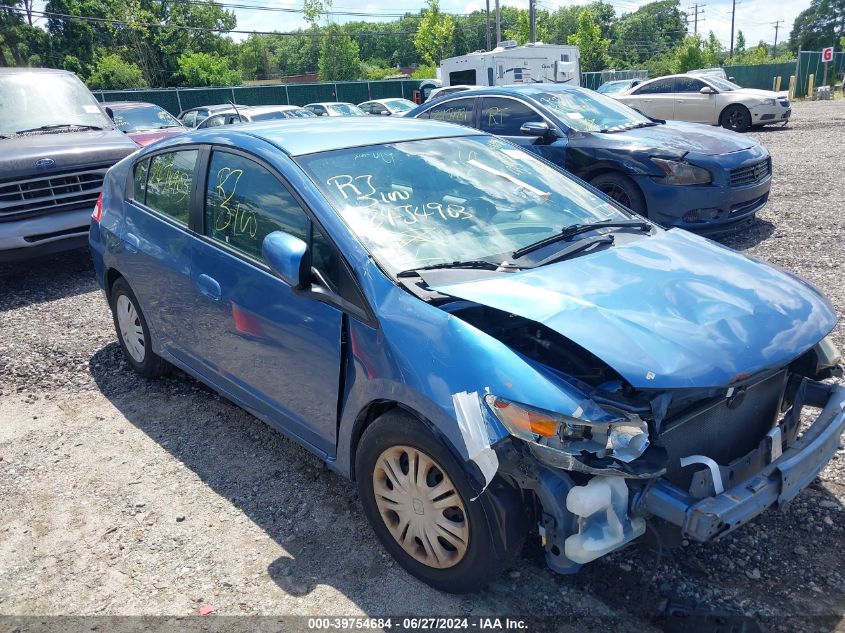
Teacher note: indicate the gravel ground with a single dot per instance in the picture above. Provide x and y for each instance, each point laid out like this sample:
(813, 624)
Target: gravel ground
(120, 496)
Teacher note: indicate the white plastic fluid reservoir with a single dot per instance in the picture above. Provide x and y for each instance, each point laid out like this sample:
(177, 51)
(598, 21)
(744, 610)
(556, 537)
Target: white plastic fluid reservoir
(603, 522)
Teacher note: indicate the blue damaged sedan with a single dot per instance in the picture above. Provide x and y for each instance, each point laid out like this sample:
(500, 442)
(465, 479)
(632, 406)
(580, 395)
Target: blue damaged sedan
(491, 350)
(688, 175)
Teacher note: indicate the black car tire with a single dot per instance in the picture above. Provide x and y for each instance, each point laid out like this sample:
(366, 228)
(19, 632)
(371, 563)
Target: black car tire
(151, 365)
(622, 189)
(482, 560)
(736, 118)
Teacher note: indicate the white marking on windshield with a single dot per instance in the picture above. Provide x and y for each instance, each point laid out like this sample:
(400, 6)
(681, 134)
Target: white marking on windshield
(545, 195)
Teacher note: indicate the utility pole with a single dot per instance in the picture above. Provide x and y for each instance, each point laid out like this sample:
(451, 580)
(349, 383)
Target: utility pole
(733, 16)
(498, 24)
(487, 28)
(775, 47)
(697, 8)
(532, 17)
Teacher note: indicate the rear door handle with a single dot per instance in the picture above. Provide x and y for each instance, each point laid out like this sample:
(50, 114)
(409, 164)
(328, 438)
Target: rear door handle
(132, 243)
(209, 287)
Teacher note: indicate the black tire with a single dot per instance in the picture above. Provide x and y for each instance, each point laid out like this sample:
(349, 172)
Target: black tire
(736, 118)
(483, 559)
(622, 189)
(151, 365)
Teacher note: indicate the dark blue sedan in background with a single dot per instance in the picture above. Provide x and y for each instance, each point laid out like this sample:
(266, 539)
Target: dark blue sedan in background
(678, 174)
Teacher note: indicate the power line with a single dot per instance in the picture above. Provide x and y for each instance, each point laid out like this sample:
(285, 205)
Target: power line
(696, 12)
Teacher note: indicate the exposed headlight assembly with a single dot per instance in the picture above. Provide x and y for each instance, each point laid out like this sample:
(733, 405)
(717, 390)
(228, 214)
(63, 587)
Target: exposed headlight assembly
(680, 173)
(623, 439)
(769, 102)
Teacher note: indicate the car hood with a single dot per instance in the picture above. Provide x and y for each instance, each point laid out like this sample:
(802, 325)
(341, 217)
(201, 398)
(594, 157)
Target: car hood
(678, 138)
(67, 150)
(757, 94)
(670, 311)
(147, 137)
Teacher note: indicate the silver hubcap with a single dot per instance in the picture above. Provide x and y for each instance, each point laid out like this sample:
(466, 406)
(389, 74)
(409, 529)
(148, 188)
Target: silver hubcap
(130, 328)
(421, 507)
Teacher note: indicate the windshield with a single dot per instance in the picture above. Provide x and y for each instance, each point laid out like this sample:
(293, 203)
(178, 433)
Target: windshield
(613, 86)
(144, 118)
(345, 109)
(420, 203)
(594, 112)
(723, 85)
(401, 105)
(34, 100)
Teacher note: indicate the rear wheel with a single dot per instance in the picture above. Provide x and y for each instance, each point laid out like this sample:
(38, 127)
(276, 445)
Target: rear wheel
(133, 332)
(736, 118)
(621, 189)
(417, 500)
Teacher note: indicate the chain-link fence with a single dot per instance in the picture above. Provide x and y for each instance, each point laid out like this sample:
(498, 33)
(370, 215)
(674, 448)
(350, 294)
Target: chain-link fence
(175, 100)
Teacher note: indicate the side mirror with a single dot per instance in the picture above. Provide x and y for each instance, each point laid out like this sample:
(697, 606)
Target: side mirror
(730, 79)
(109, 112)
(536, 128)
(288, 258)
(385, 113)
(707, 90)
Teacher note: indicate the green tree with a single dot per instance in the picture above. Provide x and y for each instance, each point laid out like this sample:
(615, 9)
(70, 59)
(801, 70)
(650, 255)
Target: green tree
(425, 71)
(592, 45)
(820, 25)
(21, 44)
(339, 57)
(207, 69)
(739, 46)
(112, 72)
(650, 33)
(434, 39)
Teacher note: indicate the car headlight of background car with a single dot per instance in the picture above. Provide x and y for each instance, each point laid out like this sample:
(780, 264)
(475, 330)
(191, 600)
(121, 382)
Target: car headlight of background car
(680, 173)
(769, 102)
(624, 439)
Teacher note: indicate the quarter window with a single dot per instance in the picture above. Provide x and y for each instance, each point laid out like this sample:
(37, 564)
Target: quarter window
(139, 180)
(169, 184)
(659, 86)
(456, 111)
(504, 117)
(245, 202)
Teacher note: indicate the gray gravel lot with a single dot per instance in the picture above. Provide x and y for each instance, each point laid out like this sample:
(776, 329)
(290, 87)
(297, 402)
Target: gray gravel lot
(120, 496)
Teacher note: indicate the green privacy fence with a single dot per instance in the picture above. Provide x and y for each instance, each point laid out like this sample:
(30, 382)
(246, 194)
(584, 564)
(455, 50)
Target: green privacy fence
(761, 76)
(175, 100)
(810, 63)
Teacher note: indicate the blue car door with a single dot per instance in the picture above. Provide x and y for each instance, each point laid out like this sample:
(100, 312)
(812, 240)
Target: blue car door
(272, 348)
(155, 249)
(504, 116)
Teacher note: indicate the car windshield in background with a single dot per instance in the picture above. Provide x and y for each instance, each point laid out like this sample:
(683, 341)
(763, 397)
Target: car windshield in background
(346, 109)
(723, 85)
(613, 86)
(47, 102)
(591, 112)
(402, 106)
(144, 118)
(427, 202)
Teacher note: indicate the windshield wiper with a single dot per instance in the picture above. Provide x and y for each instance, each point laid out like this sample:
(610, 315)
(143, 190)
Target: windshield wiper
(575, 229)
(576, 247)
(58, 126)
(472, 263)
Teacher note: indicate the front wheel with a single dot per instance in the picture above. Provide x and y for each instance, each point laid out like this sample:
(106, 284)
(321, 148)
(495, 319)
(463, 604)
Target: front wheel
(622, 190)
(736, 118)
(417, 500)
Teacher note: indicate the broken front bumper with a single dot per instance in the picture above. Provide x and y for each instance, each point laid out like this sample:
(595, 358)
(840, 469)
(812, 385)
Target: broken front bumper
(775, 485)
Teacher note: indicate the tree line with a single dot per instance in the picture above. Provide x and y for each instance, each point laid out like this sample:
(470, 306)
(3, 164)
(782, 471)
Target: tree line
(115, 44)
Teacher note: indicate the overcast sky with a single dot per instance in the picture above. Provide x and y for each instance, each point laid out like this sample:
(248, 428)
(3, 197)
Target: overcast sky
(754, 17)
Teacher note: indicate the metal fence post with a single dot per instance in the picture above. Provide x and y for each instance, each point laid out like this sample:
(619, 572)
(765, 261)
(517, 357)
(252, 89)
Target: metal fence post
(232, 90)
(402, 86)
(337, 98)
(369, 91)
(287, 94)
(178, 100)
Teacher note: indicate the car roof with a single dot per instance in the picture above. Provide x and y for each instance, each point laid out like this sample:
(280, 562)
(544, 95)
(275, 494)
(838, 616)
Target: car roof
(18, 70)
(212, 108)
(527, 90)
(127, 105)
(307, 136)
(328, 103)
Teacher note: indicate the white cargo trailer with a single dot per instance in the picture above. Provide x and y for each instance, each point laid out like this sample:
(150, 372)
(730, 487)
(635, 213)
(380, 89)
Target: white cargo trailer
(512, 64)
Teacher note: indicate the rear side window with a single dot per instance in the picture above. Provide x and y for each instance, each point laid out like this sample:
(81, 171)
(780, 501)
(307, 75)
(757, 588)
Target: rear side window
(504, 117)
(245, 202)
(139, 180)
(660, 86)
(456, 111)
(169, 184)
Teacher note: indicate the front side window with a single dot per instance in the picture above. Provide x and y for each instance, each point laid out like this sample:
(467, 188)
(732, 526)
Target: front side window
(169, 184)
(504, 117)
(659, 86)
(688, 84)
(432, 201)
(245, 202)
(455, 111)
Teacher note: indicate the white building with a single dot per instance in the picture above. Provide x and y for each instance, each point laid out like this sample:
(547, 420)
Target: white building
(511, 64)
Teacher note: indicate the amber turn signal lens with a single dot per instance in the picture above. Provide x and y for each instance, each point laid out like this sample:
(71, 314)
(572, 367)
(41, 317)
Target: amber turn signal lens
(525, 420)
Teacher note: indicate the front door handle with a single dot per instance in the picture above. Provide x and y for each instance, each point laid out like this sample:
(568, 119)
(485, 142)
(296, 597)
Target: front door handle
(132, 243)
(209, 287)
